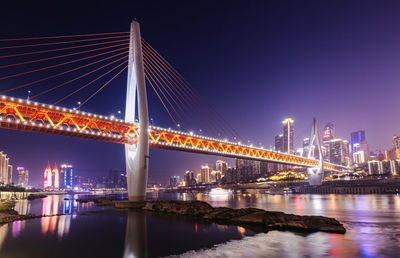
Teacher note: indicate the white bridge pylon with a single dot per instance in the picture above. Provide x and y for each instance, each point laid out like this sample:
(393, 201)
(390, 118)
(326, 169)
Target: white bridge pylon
(315, 174)
(137, 155)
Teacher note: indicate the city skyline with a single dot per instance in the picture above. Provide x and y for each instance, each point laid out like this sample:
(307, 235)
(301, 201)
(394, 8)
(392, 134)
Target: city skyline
(345, 75)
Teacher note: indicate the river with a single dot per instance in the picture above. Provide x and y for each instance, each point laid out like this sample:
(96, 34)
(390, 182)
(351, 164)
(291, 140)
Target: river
(372, 221)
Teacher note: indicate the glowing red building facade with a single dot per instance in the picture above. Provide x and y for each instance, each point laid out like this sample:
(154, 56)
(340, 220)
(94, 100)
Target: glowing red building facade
(51, 177)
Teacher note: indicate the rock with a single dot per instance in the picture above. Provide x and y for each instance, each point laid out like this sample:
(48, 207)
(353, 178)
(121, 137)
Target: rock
(82, 200)
(104, 202)
(193, 208)
(35, 196)
(257, 218)
(129, 205)
(268, 220)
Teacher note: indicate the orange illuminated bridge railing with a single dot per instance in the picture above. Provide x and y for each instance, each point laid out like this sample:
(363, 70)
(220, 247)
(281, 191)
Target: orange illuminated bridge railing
(25, 115)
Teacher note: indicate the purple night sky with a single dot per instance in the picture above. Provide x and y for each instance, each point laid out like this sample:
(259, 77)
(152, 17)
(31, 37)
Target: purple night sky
(256, 63)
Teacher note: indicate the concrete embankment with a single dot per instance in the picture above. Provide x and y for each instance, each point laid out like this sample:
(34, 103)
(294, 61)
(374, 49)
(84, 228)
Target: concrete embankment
(370, 186)
(247, 217)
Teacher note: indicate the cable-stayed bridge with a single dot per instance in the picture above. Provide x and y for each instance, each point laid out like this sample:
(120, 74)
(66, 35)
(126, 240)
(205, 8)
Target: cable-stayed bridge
(144, 64)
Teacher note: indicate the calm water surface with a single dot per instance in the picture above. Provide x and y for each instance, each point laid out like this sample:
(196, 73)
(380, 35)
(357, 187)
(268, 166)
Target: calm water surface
(373, 223)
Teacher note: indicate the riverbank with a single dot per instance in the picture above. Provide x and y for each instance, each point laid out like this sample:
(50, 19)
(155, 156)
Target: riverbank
(246, 217)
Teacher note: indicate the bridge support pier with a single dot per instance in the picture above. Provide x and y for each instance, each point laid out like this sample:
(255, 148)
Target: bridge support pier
(315, 174)
(137, 156)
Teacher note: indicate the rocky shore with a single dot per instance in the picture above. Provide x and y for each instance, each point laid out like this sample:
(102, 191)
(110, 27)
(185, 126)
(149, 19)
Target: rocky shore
(246, 217)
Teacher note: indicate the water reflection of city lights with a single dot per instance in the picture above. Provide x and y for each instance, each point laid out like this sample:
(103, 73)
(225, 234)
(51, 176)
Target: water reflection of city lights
(297, 205)
(50, 208)
(317, 203)
(17, 226)
(22, 207)
(3, 234)
(219, 195)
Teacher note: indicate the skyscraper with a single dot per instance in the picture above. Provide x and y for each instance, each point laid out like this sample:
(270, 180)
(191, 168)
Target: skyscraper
(339, 151)
(279, 143)
(47, 177)
(329, 132)
(23, 176)
(362, 150)
(174, 181)
(55, 177)
(205, 172)
(396, 146)
(248, 169)
(288, 136)
(356, 138)
(221, 166)
(306, 146)
(189, 178)
(5, 169)
(51, 177)
(396, 142)
(66, 176)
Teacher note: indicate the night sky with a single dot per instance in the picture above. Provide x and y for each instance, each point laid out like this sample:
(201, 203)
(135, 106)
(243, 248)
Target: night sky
(255, 62)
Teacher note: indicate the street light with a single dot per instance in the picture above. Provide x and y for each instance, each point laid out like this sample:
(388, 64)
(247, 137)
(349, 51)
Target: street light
(29, 94)
(79, 105)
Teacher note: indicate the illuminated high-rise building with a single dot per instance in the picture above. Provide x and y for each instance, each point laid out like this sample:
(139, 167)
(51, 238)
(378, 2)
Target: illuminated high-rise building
(66, 176)
(51, 177)
(360, 157)
(355, 140)
(47, 177)
(221, 166)
(215, 176)
(339, 151)
(329, 132)
(288, 136)
(174, 181)
(248, 169)
(23, 176)
(5, 169)
(375, 167)
(396, 142)
(189, 178)
(205, 172)
(55, 177)
(396, 146)
(361, 153)
(279, 143)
